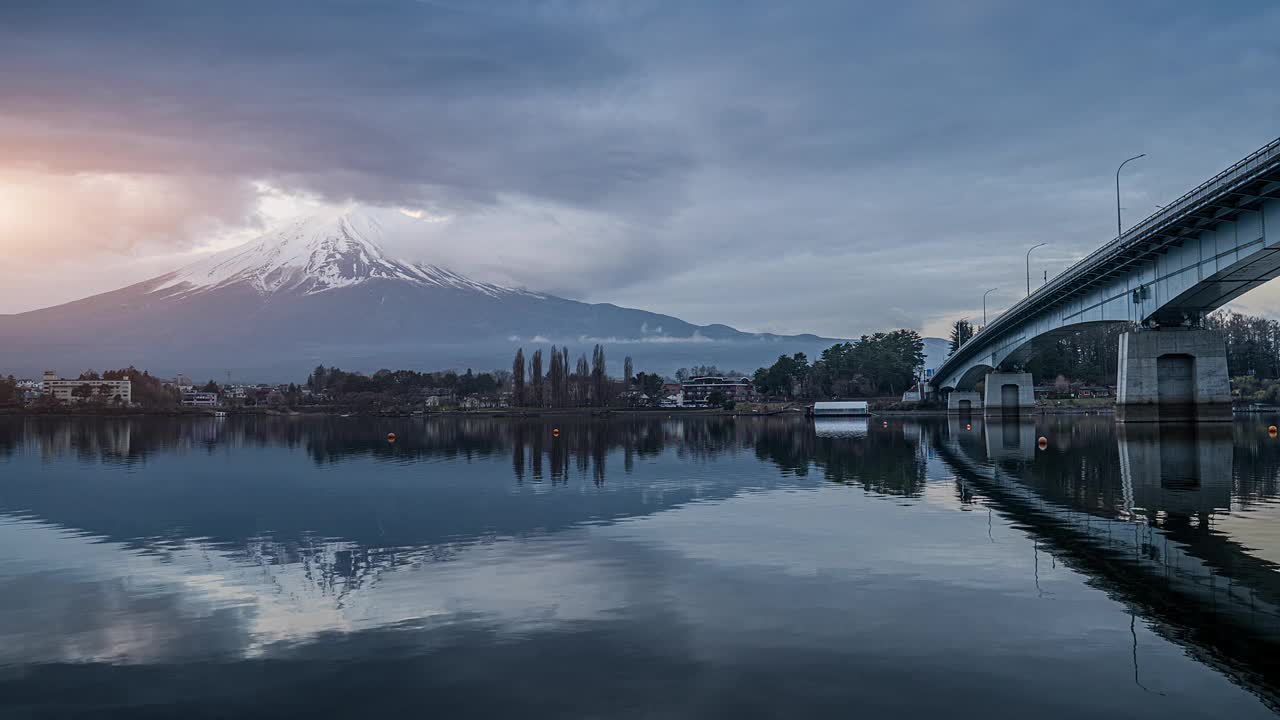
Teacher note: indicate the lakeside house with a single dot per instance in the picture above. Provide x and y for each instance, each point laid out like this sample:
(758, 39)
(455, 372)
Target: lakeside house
(199, 399)
(696, 391)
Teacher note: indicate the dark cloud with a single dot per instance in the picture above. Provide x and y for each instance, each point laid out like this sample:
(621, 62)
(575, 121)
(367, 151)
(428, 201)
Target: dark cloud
(663, 136)
(385, 102)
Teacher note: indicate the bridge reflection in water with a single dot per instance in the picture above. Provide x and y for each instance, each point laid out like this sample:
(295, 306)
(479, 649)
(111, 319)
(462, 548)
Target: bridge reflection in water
(1149, 542)
(327, 528)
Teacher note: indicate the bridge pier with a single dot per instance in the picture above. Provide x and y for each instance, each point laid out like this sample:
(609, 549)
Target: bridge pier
(1172, 375)
(963, 401)
(1009, 394)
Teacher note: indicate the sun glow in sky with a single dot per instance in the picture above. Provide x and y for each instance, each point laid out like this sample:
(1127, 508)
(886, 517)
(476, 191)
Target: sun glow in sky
(865, 167)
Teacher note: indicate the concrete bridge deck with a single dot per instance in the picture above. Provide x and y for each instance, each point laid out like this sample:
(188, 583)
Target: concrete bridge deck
(1207, 248)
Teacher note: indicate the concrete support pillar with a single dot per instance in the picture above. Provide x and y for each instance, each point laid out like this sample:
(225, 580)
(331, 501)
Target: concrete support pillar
(963, 401)
(1010, 394)
(1173, 375)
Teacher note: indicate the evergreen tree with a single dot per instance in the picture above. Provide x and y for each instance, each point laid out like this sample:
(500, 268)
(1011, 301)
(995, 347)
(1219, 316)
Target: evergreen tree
(555, 378)
(517, 379)
(961, 331)
(535, 377)
(317, 380)
(599, 380)
(582, 381)
(565, 390)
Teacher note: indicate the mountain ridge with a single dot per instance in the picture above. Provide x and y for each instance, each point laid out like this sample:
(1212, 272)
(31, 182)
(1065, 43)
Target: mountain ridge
(323, 289)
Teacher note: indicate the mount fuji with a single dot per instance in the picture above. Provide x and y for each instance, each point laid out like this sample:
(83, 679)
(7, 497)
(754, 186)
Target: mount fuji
(323, 290)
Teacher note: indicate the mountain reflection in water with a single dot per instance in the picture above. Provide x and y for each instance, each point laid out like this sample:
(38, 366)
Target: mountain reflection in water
(672, 565)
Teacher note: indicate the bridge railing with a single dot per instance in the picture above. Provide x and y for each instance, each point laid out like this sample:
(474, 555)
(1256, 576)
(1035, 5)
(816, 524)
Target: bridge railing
(1265, 156)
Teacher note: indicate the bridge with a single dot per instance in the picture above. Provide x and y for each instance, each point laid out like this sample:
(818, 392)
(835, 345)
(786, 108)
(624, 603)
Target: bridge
(1161, 277)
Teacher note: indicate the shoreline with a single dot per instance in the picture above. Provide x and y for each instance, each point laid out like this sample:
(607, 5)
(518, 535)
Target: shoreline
(604, 413)
(524, 413)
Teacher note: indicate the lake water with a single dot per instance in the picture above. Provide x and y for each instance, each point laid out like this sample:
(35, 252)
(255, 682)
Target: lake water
(658, 567)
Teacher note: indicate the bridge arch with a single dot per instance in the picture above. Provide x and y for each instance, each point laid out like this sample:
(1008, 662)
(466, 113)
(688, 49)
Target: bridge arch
(1017, 356)
(972, 377)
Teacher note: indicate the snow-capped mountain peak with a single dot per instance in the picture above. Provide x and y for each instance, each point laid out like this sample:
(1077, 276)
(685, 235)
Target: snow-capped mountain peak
(314, 254)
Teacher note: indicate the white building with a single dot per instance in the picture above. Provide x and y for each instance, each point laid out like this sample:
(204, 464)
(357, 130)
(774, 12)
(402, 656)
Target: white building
(200, 399)
(73, 391)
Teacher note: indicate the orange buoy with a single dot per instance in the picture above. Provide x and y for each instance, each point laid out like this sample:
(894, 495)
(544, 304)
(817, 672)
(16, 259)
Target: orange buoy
(555, 432)
(391, 437)
(1271, 431)
(1043, 442)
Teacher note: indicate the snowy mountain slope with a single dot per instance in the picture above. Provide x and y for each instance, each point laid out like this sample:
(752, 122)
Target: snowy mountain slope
(324, 290)
(314, 254)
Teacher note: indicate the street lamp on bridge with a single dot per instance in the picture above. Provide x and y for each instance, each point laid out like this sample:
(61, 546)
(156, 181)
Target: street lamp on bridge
(1033, 247)
(984, 305)
(1119, 231)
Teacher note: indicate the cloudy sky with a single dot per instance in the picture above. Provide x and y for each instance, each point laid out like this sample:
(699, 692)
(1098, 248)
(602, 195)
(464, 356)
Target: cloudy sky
(832, 167)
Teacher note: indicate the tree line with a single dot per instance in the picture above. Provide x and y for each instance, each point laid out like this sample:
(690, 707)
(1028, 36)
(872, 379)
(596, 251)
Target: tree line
(335, 382)
(541, 379)
(1253, 343)
(554, 381)
(1092, 355)
(884, 363)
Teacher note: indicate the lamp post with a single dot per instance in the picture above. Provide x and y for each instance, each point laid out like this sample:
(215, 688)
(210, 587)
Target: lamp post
(1033, 247)
(1120, 232)
(984, 305)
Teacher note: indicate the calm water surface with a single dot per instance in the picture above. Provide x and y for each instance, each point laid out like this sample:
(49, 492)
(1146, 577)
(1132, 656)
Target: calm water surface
(658, 567)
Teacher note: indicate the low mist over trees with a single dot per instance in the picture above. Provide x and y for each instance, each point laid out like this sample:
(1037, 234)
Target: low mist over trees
(587, 384)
